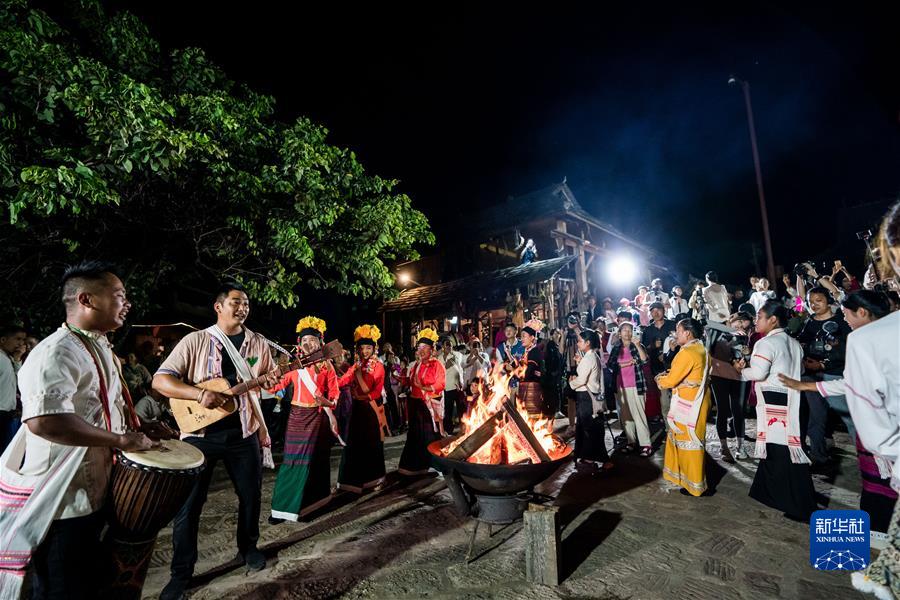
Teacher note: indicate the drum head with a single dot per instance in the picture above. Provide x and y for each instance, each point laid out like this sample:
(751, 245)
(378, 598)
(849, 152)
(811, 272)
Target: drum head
(171, 455)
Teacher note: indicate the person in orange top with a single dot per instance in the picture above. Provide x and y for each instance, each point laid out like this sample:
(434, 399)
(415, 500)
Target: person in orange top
(688, 379)
(425, 406)
(362, 464)
(303, 483)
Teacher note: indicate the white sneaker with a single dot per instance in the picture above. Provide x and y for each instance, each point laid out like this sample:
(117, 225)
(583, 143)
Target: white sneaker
(741, 453)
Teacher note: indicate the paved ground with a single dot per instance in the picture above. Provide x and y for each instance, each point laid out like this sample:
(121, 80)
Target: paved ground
(625, 536)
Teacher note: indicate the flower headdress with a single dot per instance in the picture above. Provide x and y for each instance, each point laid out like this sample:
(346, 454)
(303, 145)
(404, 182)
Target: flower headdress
(366, 334)
(427, 336)
(311, 326)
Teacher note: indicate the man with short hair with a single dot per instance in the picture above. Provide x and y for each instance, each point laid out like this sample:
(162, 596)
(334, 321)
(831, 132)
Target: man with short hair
(715, 296)
(454, 386)
(12, 342)
(236, 439)
(511, 349)
(656, 294)
(75, 413)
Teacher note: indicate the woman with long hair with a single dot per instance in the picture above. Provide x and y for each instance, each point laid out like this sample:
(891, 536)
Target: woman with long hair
(587, 383)
(877, 498)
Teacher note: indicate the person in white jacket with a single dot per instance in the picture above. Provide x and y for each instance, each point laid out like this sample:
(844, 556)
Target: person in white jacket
(862, 308)
(715, 296)
(782, 477)
(587, 383)
(872, 380)
(761, 294)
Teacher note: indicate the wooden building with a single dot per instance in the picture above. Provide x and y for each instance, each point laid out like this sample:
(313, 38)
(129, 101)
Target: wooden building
(476, 281)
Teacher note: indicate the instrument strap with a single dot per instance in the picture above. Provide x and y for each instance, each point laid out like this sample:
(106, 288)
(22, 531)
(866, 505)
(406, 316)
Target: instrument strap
(104, 396)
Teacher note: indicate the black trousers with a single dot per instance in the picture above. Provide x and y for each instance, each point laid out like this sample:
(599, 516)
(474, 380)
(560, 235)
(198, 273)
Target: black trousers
(68, 563)
(243, 462)
(730, 397)
(454, 400)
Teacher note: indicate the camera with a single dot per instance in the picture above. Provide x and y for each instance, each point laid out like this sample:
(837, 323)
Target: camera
(827, 338)
(737, 344)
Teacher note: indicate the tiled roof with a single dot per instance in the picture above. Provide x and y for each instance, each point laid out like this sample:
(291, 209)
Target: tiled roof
(487, 289)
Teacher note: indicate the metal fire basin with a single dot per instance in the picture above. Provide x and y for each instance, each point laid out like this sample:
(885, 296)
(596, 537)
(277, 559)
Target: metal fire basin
(497, 480)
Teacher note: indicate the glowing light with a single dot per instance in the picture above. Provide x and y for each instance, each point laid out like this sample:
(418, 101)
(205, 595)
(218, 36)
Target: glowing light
(403, 278)
(622, 270)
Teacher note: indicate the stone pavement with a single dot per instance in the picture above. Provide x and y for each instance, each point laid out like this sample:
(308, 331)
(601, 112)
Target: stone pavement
(625, 536)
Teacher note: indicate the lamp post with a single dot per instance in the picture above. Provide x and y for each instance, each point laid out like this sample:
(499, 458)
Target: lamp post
(770, 262)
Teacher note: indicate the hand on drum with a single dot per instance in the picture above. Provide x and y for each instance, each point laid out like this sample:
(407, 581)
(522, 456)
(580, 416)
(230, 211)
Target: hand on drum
(157, 430)
(133, 441)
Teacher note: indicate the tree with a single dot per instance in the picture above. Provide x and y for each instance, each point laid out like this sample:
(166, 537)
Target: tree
(110, 149)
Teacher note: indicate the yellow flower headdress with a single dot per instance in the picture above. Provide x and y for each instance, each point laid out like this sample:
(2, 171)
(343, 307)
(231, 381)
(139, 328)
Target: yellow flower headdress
(427, 336)
(366, 334)
(311, 326)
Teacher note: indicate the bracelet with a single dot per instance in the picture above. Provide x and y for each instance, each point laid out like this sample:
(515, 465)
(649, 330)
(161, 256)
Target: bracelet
(200, 396)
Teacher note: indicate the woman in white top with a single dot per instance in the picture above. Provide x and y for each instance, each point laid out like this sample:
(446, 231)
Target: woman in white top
(677, 304)
(782, 477)
(872, 380)
(587, 383)
(762, 294)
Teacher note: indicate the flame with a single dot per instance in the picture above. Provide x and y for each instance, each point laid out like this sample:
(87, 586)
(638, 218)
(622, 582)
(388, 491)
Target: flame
(506, 446)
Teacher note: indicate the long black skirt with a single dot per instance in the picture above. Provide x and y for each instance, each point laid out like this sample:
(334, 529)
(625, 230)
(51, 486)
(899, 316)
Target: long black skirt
(362, 463)
(780, 483)
(590, 435)
(416, 459)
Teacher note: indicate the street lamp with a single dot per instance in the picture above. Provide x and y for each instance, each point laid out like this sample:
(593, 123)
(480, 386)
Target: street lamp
(770, 262)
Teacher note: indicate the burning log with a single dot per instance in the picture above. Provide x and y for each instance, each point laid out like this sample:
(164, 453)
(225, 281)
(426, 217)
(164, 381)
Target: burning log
(526, 437)
(477, 439)
(487, 432)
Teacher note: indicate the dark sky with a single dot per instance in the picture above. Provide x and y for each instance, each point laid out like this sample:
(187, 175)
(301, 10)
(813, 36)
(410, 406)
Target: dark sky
(467, 104)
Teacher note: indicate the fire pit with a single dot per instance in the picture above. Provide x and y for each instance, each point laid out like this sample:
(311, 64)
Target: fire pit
(503, 451)
(496, 479)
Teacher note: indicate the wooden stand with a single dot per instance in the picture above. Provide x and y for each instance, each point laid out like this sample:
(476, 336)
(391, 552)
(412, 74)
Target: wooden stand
(542, 547)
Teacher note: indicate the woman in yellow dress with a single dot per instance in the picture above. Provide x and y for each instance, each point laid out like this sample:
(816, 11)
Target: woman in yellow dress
(686, 438)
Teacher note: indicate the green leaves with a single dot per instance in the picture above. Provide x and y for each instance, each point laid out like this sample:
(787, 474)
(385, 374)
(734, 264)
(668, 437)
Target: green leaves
(108, 148)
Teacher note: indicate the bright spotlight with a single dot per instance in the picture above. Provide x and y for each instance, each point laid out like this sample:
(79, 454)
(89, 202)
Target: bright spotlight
(403, 278)
(622, 270)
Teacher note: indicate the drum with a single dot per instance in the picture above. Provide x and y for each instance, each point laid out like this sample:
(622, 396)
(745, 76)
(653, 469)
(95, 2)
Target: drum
(532, 397)
(149, 487)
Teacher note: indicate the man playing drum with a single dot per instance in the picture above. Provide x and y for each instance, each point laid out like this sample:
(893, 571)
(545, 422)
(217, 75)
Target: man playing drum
(75, 412)
(231, 351)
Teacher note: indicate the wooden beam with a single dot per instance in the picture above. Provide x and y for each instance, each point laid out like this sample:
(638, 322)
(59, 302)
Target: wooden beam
(576, 242)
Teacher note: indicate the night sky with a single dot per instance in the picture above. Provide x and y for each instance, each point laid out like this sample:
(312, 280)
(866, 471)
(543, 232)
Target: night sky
(468, 105)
